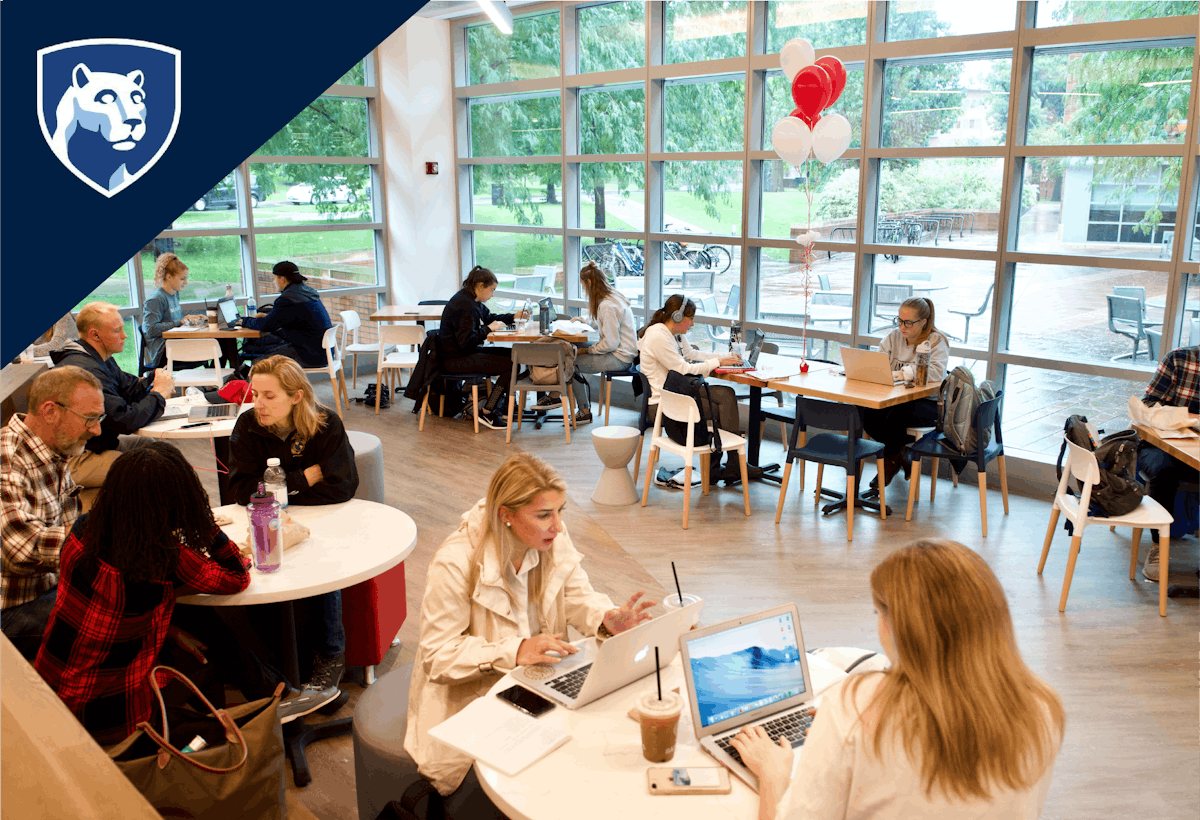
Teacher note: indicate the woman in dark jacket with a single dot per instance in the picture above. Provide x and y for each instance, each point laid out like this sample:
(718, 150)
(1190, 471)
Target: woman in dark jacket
(296, 324)
(466, 322)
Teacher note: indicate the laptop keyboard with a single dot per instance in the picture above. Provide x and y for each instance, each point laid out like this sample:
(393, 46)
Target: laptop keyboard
(570, 683)
(793, 726)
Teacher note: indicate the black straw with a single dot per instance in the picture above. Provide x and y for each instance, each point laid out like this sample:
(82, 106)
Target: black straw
(657, 674)
(677, 589)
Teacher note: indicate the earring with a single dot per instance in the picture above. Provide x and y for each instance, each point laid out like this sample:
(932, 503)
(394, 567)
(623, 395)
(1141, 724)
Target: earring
(508, 524)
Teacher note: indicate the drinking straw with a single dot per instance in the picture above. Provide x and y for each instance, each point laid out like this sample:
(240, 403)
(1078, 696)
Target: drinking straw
(657, 674)
(677, 589)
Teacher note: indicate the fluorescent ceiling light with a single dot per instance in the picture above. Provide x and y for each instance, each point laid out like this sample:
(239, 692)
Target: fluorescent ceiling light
(501, 16)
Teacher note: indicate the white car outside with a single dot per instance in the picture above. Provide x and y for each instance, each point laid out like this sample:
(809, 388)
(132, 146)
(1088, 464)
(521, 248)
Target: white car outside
(305, 194)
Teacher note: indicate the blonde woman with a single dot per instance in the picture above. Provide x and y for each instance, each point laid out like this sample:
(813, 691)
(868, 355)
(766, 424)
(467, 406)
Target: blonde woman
(161, 311)
(617, 346)
(501, 592)
(958, 727)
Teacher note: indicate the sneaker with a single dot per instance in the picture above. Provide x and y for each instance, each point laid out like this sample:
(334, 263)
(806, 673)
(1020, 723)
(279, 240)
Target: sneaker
(674, 480)
(494, 421)
(549, 402)
(1150, 568)
(298, 703)
(583, 417)
(327, 672)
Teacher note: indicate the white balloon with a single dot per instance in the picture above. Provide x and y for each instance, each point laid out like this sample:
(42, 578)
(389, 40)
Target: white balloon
(796, 54)
(831, 137)
(808, 238)
(792, 140)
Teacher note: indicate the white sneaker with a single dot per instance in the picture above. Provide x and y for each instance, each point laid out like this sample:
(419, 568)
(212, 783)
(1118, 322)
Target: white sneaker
(1150, 568)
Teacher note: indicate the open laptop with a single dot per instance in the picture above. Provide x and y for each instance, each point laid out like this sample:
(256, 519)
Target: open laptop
(594, 671)
(199, 412)
(868, 366)
(747, 671)
(753, 348)
(227, 308)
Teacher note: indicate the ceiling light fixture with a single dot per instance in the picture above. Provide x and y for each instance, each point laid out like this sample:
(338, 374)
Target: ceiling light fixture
(501, 16)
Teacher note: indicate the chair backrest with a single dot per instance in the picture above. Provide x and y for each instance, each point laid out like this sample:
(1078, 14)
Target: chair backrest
(1081, 464)
(1125, 309)
(733, 301)
(1132, 291)
(987, 297)
(698, 280)
(544, 271)
(193, 350)
(531, 283)
(333, 355)
(435, 324)
(351, 322)
(987, 415)
(892, 295)
(823, 279)
(678, 407)
(542, 354)
(1194, 334)
(769, 347)
(827, 415)
(915, 275)
(708, 305)
(412, 335)
(823, 297)
(143, 365)
(1154, 340)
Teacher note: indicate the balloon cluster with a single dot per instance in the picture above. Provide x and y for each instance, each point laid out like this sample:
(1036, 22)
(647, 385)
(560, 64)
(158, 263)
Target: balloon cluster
(816, 85)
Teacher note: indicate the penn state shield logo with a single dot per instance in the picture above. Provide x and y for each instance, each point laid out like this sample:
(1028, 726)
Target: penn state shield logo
(108, 108)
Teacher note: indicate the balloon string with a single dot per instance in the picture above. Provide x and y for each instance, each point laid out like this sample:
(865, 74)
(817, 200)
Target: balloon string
(806, 257)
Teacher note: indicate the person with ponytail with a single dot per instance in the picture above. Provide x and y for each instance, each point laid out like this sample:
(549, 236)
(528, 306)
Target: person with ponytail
(617, 346)
(889, 426)
(500, 593)
(466, 323)
(957, 727)
(664, 347)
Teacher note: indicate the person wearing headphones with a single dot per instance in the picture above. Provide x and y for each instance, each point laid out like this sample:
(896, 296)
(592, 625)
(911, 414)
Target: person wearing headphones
(664, 347)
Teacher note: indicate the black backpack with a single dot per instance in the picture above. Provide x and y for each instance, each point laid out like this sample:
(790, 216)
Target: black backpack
(1119, 491)
(704, 436)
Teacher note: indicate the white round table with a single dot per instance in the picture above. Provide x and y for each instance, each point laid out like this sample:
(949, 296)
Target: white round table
(600, 771)
(218, 430)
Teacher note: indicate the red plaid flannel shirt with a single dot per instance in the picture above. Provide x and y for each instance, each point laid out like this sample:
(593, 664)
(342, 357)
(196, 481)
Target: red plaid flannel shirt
(1176, 383)
(104, 634)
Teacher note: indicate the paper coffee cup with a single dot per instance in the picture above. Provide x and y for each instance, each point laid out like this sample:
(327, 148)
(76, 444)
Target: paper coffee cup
(212, 320)
(660, 724)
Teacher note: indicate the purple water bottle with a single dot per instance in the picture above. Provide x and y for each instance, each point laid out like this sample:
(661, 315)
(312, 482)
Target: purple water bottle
(266, 530)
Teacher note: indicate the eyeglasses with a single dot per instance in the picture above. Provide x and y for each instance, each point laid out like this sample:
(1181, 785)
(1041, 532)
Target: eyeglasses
(909, 322)
(87, 420)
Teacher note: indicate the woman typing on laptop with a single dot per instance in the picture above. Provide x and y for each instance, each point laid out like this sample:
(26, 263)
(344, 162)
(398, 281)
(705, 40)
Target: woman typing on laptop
(958, 727)
(500, 593)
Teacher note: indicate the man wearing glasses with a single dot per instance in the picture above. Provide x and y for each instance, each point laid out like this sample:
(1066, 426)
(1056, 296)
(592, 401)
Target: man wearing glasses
(130, 403)
(38, 498)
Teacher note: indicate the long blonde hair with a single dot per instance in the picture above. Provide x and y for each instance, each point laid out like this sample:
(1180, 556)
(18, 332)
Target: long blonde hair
(959, 695)
(518, 481)
(168, 264)
(308, 417)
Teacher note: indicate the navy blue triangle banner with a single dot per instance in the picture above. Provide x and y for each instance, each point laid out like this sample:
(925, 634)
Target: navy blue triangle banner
(119, 116)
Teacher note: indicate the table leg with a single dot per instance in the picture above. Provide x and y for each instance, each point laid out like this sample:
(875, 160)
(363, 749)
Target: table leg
(754, 438)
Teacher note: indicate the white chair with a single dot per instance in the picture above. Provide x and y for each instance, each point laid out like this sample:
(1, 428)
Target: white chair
(196, 350)
(391, 337)
(684, 409)
(1150, 514)
(333, 367)
(350, 325)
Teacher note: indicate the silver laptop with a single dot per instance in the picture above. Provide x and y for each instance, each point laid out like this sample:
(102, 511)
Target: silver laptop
(199, 412)
(749, 671)
(594, 671)
(868, 366)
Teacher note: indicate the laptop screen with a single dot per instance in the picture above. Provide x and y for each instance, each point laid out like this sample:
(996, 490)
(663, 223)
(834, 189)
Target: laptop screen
(229, 311)
(746, 668)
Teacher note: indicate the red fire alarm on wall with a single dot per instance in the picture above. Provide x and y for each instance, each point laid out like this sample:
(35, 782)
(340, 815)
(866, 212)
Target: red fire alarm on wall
(431, 168)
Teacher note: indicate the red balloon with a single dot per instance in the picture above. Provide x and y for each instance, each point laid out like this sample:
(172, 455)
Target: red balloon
(811, 90)
(800, 115)
(837, 73)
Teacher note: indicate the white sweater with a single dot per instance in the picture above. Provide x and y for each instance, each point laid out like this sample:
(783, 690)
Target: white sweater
(618, 333)
(663, 352)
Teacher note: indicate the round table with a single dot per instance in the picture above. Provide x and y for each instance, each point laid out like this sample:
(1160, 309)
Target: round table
(218, 430)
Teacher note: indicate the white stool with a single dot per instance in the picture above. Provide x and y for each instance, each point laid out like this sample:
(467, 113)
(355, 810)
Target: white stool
(615, 446)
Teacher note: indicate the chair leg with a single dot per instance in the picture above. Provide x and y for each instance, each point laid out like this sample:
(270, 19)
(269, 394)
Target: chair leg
(1062, 601)
(345, 392)
(705, 470)
(474, 406)
(914, 486)
(933, 477)
(783, 485)
(882, 490)
(378, 392)
(850, 483)
(521, 404)
(569, 419)
(1054, 513)
(442, 406)
(369, 671)
(687, 491)
(649, 474)
(817, 491)
(511, 401)
(745, 480)
(1003, 482)
(1133, 553)
(354, 375)
(424, 407)
(1164, 568)
(607, 399)
(983, 501)
(803, 441)
(637, 459)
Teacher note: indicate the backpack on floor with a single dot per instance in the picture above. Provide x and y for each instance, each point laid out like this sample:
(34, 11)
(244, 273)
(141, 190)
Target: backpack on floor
(958, 398)
(1119, 491)
(704, 437)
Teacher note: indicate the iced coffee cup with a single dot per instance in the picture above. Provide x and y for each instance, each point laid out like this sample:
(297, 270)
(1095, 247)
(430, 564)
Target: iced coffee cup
(660, 724)
(672, 602)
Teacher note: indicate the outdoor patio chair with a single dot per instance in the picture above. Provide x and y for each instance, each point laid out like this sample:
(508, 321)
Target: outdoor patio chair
(969, 314)
(1137, 292)
(1125, 319)
(887, 301)
(698, 280)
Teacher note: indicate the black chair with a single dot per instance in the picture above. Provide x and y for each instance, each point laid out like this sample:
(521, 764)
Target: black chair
(935, 445)
(145, 367)
(785, 415)
(606, 378)
(645, 422)
(847, 451)
(474, 380)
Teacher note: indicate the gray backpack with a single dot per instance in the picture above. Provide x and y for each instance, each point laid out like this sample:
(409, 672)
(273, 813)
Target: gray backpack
(958, 399)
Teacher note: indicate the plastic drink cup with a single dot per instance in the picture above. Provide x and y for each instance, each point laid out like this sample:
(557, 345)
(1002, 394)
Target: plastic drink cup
(672, 602)
(266, 531)
(660, 724)
(740, 350)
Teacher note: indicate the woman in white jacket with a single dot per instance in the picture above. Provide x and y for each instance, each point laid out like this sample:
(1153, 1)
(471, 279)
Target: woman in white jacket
(617, 346)
(501, 591)
(664, 347)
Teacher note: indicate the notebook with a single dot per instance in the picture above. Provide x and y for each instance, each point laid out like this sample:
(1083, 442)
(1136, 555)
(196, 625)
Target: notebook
(868, 366)
(594, 671)
(747, 671)
(752, 351)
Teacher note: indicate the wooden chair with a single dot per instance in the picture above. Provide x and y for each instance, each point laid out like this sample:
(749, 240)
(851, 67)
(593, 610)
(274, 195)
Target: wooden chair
(473, 379)
(392, 337)
(684, 409)
(606, 378)
(847, 451)
(1150, 514)
(333, 368)
(350, 325)
(196, 350)
(538, 354)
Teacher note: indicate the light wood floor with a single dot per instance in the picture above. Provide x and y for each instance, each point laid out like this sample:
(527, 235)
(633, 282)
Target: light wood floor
(1127, 677)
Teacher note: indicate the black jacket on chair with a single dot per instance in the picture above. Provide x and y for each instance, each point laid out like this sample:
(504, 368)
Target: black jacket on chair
(428, 368)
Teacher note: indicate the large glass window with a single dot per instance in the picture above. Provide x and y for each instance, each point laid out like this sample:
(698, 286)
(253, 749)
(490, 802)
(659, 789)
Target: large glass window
(949, 104)
(834, 199)
(704, 115)
(530, 52)
(827, 24)
(946, 202)
(214, 264)
(704, 30)
(612, 119)
(703, 197)
(327, 127)
(527, 263)
(527, 126)
(921, 19)
(1072, 12)
(517, 194)
(613, 193)
(612, 36)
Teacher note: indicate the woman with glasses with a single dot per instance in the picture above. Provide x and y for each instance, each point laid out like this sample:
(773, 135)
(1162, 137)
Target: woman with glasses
(890, 425)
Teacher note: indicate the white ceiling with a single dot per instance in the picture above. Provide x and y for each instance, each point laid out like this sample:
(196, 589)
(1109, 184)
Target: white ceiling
(449, 9)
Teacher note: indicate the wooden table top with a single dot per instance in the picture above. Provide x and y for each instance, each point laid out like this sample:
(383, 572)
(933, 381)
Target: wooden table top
(1186, 450)
(514, 336)
(408, 313)
(824, 381)
(205, 333)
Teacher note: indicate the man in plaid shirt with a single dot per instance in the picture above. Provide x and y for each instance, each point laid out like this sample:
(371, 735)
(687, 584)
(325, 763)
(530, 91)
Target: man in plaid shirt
(1176, 383)
(38, 498)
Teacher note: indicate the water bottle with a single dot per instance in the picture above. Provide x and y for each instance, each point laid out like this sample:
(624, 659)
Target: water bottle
(195, 396)
(922, 374)
(275, 481)
(266, 531)
(251, 306)
(735, 335)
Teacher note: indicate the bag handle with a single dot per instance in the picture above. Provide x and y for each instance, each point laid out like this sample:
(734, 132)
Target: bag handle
(233, 734)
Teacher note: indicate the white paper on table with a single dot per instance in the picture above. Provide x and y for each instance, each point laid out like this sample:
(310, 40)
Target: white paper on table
(190, 329)
(499, 736)
(568, 326)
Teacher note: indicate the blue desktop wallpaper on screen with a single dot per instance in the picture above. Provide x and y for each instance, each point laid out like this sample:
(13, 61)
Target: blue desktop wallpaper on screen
(143, 133)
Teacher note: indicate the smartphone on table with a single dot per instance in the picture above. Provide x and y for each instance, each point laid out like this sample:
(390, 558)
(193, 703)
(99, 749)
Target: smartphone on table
(531, 703)
(688, 780)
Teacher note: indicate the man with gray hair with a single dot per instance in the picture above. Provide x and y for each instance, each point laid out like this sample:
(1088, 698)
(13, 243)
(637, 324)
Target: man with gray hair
(38, 499)
(130, 403)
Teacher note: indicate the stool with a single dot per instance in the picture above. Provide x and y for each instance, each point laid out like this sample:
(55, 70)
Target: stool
(615, 446)
(382, 769)
(368, 460)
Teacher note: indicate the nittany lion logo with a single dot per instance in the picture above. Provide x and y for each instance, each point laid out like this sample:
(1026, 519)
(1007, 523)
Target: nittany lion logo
(108, 108)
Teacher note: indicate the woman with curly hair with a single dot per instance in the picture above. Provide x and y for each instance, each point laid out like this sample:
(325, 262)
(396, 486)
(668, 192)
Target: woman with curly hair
(161, 310)
(957, 727)
(120, 571)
